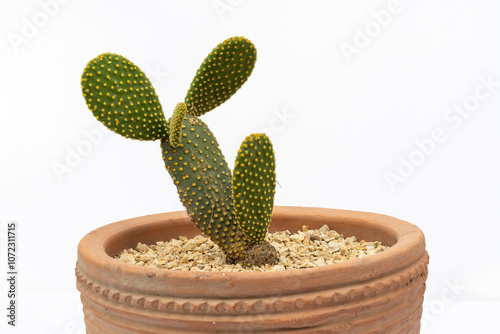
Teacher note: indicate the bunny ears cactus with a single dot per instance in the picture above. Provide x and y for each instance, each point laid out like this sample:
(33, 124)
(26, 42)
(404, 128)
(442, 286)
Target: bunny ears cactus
(234, 211)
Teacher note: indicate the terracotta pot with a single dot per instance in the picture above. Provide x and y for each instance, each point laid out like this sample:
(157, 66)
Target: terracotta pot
(381, 293)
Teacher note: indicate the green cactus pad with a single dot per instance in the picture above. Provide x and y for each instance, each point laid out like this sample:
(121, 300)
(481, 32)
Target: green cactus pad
(221, 74)
(122, 98)
(204, 184)
(254, 184)
(176, 124)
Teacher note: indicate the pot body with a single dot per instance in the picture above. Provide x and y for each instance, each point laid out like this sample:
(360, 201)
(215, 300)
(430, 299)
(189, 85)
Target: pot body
(380, 293)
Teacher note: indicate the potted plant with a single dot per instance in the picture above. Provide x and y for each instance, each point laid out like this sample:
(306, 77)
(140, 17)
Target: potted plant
(381, 293)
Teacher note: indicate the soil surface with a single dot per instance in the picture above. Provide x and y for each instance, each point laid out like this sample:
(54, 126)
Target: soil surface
(304, 249)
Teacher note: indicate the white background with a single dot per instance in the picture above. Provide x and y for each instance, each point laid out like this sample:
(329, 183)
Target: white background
(346, 89)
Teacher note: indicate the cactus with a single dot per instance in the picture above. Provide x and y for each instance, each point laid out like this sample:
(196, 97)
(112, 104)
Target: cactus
(235, 217)
(254, 184)
(221, 74)
(121, 96)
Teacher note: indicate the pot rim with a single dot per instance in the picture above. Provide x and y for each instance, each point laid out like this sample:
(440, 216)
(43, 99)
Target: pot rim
(408, 242)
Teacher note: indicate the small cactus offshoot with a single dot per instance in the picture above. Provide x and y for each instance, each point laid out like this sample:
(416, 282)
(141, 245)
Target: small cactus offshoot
(232, 210)
(176, 123)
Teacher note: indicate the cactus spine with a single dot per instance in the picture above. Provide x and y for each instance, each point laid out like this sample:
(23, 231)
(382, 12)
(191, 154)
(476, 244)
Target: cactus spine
(235, 217)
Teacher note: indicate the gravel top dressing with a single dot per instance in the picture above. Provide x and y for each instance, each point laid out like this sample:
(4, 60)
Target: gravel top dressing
(305, 249)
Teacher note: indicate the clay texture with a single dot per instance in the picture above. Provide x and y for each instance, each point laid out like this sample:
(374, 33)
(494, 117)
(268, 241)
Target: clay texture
(381, 293)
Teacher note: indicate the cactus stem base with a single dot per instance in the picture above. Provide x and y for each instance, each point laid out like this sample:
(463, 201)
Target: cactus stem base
(261, 254)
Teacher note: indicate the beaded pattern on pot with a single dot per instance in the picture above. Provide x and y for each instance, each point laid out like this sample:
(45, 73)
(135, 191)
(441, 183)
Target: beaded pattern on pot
(397, 282)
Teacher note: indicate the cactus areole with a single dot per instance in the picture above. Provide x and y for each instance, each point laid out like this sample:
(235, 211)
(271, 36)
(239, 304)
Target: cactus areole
(232, 210)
